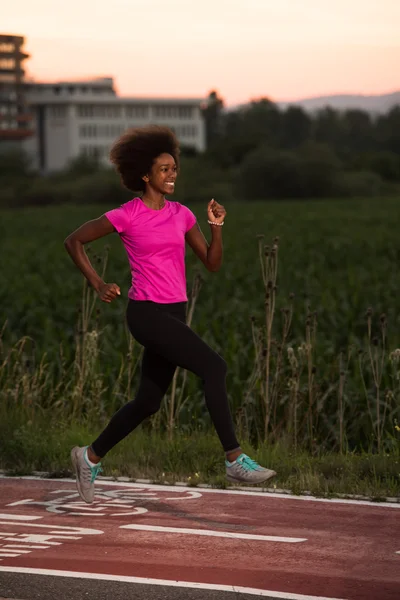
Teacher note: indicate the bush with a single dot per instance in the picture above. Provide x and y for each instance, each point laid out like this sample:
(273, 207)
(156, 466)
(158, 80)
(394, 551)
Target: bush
(38, 192)
(102, 187)
(267, 174)
(200, 181)
(319, 166)
(310, 172)
(386, 165)
(358, 184)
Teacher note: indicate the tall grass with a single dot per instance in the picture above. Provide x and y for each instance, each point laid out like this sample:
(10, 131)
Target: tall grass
(283, 399)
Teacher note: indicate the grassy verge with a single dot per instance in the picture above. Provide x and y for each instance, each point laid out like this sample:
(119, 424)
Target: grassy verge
(197, 459)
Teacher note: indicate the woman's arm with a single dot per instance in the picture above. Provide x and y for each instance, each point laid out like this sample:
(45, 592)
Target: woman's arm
(74, 244)
(209, 254)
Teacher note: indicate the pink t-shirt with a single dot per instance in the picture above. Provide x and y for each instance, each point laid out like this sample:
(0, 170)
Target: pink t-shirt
(155, 244)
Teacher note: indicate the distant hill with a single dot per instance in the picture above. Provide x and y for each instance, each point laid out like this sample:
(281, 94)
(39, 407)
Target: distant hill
(373, 104)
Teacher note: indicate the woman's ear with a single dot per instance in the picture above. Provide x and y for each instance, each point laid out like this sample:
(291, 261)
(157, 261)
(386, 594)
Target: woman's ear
(146, 178)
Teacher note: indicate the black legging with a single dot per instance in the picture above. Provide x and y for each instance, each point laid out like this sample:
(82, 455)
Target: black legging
(168, 343)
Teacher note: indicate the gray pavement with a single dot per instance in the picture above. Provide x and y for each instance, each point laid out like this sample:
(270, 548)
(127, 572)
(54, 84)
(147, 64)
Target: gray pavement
(17, 586)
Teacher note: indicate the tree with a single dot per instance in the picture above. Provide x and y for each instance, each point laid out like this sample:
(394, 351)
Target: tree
(296, 127)
(212, 112)
(328, 127)
(388, 130)
(358, 131)
(244, 130)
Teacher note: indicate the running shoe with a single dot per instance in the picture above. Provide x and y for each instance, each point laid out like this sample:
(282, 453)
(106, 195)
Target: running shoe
(85, 473)
(246, 470)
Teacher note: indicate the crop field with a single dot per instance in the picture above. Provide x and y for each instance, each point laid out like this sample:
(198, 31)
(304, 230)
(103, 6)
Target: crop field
(308, 323)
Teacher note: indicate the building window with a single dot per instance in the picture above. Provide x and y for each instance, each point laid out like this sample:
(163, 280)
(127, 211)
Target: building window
(137, 111)
(7, 63)
(186, 131)
(166, 111)
(88, 131)
(99, 111)
(85, 110)
(7, 47)
(94, 151)
(173, 112)
(113, 111)
(7, 78)
(58, 112)
(185, 112)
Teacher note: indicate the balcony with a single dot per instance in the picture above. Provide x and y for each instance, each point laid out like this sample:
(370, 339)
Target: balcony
(15, 134)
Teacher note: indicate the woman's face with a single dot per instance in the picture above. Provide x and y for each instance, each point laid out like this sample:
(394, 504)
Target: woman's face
(163, 174)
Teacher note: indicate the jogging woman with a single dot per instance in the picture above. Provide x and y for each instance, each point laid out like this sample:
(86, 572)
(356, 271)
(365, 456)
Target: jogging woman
(154, 231)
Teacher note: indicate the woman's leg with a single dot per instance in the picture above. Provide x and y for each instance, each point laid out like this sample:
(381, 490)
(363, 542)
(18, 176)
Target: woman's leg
(156, 376)
(167, 336)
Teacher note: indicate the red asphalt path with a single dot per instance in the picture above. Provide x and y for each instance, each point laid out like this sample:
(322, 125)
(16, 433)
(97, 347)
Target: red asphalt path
(334, 549)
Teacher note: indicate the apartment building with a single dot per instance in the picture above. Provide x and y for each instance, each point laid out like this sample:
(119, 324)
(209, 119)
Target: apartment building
(73, 118)
(15, 116)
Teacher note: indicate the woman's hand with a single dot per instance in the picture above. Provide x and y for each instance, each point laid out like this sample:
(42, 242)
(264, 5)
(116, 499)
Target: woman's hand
(108, 291)
(215, 212)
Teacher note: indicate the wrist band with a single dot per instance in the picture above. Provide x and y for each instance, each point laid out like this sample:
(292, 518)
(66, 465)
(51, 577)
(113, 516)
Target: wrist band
(214, 223)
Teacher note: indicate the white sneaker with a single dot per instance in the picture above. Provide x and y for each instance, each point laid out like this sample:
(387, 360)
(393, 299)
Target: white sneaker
(85, 473)
(246, 470)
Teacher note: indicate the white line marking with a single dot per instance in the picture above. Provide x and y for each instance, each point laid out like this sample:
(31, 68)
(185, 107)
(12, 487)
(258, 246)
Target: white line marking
(192, 496)
(167, 583)
(60, 529)
(26, 546)
(211, 533)
(8, 555)
(19, 551)
(172, 488)
(18, 517)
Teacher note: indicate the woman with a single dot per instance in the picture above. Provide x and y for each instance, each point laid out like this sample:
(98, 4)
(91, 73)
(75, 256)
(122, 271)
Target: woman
(154, 231)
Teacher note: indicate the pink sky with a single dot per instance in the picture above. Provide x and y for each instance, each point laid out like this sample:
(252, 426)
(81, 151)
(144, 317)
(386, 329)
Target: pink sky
(282, 49)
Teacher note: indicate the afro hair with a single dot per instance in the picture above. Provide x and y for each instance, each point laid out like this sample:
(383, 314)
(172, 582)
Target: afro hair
(133, 154)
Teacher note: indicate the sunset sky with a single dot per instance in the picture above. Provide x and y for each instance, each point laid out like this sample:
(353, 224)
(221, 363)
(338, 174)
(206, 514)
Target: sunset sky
(283, 49)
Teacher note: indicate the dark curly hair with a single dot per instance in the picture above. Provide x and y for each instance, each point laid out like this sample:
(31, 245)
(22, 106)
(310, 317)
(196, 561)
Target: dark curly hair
(134, 152)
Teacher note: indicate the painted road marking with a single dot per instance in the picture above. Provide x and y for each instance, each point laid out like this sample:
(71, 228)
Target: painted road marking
(19, 551)
(59, 530)
(211, 533)
(34, 539)
(26, 546)
(18, 517)
(243, 492)
(167, 583)
(113, 503)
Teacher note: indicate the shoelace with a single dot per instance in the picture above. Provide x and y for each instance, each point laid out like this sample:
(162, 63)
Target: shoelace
(94, 472)
(248, 464)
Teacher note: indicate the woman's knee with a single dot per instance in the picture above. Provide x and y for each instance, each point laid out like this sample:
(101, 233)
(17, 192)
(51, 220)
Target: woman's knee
(152, 406)
(145, 406)
(217, 365)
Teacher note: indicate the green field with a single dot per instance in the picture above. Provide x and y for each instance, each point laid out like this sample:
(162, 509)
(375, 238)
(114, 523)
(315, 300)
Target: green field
(338, 258)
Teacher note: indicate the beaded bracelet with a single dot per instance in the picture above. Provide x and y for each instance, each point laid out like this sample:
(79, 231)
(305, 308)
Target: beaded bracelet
(214, 223)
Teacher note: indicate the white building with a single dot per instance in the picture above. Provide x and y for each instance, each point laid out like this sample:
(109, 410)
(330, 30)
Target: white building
(75, 118)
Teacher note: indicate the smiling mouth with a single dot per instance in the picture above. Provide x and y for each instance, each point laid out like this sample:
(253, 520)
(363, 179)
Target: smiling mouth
(171, 183)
